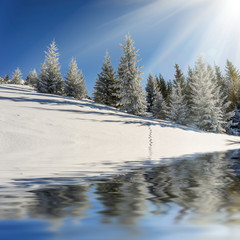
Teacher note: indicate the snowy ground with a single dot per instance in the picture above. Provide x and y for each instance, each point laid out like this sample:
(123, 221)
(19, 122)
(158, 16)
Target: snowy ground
(42, 135)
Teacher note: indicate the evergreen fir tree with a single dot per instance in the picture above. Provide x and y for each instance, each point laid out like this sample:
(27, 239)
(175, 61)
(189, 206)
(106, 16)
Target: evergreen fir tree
(222, 81)
(6, 78)
(221, 118)
(187, 92)
(1, 80)
(130, 92)
(17, 77)
(235, 126)
(179, 77)
(228, 114)
(169, 90)
(233, 79)
(50, 78)
(178, 110)
(224, 85)
(206, 110)
(105, 88)
(162, 86)
(75, 84)
(160, 108)
(31, 79)
(150, 88)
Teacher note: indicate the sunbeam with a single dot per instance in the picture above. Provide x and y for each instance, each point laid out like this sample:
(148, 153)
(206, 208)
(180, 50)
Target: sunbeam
(212, 27)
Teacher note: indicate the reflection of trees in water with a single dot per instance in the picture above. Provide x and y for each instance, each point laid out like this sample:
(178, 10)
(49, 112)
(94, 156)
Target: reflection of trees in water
(202, 186)
(123, 198)
(60, 202)
(197, 185)
(13, 204)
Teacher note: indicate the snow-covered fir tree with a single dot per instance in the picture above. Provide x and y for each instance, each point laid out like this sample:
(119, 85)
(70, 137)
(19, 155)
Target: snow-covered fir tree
(6, 78)
(75, 84)
(163, 86)
(222, 81)
(31, 78)
(222, 104)
(179, 77)
(205, 107)
(232, 89)
(235, 126)
(1, 80)
(228, 114)
(50, 78)
(150, 88)
(159, 108)
(224, 85)
(130, 91)
(17, 77)
(178, 110)
(105, 88)
(188, 95)
(233, 79)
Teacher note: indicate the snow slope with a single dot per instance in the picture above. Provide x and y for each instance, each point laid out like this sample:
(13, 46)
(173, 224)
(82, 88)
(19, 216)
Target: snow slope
(42, 135)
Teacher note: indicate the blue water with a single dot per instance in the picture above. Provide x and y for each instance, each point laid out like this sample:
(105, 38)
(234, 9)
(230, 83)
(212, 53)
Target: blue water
(190, 198)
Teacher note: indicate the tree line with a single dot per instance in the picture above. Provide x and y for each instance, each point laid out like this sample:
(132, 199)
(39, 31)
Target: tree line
(205, 98)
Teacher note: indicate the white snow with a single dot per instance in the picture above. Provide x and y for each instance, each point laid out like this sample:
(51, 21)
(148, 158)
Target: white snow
(44, 135)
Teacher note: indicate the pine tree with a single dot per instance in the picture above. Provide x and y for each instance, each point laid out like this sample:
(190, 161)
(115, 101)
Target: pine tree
(233, 79)
(75, 84)
(17, 77)
(6, 78)
(206, 110)
(31, 79)
(105, 88)
(130, 92)
(1, 80)
(235, 126)
(179, 77)
(169, 90)
(50, 78)
(178, 110)
(222, 81)
(221, 120)
(162, 86)
(150, 88)
(160, 108)
(224, 85)
(187, 92)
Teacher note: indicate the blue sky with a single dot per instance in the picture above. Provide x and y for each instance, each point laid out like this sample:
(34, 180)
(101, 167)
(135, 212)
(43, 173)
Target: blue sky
(165, 31)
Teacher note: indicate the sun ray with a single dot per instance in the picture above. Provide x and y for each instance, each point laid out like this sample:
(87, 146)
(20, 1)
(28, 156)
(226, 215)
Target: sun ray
(217, 20)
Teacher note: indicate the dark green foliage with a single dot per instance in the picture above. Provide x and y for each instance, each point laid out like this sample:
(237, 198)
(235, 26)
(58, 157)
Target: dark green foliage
(6, 78)
(105, 88)
(222, 82)
(179, 77)
(162, 86)
(187, 90)
(150, 89)
(233, 79)
(169, 90)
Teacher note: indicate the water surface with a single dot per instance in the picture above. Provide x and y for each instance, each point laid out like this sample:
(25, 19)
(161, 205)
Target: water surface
(190, 198)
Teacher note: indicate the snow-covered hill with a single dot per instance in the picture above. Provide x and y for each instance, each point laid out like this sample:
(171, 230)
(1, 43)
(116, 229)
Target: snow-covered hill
(42, 134)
